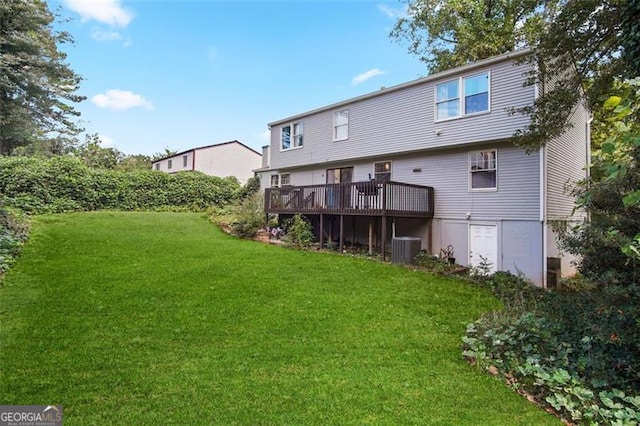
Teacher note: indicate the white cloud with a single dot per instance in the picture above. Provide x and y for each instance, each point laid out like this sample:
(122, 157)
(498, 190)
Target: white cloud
(108, 12)
(120, 100)
(106, 141)
(361, 78)
(110, 35)
(393, 13)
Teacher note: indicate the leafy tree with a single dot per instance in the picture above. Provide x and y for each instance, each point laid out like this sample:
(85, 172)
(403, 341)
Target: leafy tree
(94, 155)
(135, 162)
(163, 154)
(36, 85)
(449, 33)
(251, 187)
(609, 244)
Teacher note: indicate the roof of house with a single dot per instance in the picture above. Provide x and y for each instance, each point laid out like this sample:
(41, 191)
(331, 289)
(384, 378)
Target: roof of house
(421, 80)
(208, 146)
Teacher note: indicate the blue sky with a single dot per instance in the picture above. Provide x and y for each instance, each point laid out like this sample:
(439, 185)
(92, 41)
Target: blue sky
(180, 74)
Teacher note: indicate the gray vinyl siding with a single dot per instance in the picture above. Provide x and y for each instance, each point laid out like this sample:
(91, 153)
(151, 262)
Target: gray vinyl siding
(518, 175)
(565, 164)
(447, 171)
(403, 120)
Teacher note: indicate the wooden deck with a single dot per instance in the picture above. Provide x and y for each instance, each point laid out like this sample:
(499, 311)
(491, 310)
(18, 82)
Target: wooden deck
(368, 198)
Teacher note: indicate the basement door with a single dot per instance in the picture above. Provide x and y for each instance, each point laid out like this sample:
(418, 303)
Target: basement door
(483, 243)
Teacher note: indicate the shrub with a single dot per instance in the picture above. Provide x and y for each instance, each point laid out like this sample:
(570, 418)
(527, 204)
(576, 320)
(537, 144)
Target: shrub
(61, 184)
(14, 231)
(298, 231)
(249, 216)
(568, 348)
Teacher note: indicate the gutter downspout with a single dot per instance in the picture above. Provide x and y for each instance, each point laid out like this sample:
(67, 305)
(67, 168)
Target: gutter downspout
(543, 202)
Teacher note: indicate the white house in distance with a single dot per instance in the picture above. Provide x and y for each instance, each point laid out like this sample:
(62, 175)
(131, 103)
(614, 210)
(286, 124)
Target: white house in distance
(224, 159)
(433, 159)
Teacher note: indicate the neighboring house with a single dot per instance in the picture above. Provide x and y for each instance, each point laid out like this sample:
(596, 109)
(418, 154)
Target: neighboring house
(231, 158)
(432, 158)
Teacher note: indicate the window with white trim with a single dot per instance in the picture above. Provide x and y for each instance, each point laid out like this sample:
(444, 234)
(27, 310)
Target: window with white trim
(184, 161)
(275, 181)
(462, 96)
(157, 166)
(285, 179)
(169, 164)
(292, 136)
(483, 170)
(382, 170)
(341, 125)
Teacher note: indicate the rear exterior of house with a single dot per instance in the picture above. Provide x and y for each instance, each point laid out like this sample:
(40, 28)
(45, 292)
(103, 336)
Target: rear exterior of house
(449, 133)
(231, 158)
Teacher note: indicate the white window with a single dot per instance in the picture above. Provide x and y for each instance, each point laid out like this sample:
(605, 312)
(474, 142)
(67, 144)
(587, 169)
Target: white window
(462, 96)
(341, 125)
(447, 100)
(286, 136)
(169, 164)
(285, 179)
(476, 93)
(483, 167)
(184, 161)
(157, 166)
(382, 170)
(275, 181)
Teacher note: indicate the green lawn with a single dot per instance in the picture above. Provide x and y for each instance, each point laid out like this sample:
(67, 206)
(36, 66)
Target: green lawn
(158, 318)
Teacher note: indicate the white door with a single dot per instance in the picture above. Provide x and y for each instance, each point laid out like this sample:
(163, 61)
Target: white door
(483, 246)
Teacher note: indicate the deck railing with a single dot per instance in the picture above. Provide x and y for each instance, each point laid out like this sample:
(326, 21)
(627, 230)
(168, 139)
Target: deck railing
(370, 198)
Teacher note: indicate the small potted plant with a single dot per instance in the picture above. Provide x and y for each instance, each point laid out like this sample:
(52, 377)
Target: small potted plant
(447, 253)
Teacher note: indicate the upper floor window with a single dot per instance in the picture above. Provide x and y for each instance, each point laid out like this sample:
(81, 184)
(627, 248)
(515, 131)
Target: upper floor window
(292, 136)
(382, 170)
(184, 161)
(341, 125)
(483, 167)
(169, 164)
(462, 96)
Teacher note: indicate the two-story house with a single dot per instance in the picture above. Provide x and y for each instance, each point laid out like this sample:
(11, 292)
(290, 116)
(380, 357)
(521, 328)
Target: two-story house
(224, 159)
(433, 158)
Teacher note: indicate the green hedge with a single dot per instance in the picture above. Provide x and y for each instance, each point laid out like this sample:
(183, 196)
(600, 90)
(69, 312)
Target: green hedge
(62, 184)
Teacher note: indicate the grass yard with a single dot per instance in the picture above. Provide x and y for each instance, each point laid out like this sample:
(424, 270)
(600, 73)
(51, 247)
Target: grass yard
(160, 318)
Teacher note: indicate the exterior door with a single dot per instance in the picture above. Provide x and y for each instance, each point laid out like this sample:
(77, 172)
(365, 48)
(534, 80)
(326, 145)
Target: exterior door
(483, 246)
(338, 196)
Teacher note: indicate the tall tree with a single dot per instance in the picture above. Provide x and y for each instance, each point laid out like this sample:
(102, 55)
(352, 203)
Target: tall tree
(449, 33)
(94, 155)
(37, 87)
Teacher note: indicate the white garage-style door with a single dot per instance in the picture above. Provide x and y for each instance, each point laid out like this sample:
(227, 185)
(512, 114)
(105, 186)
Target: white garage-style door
(483, 246)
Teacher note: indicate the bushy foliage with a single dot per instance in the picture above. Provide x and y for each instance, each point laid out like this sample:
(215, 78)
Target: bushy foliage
(248, 217)
(251, 187)
(298, 231)
(14, 231)
(576, 351)
(609, 243)
(60, 184)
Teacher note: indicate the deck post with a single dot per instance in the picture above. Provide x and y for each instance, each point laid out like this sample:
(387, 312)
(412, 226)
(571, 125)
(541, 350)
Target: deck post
(384, 237)
(321, 229)
(341, 232)
(353, 231)
(370, 236)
